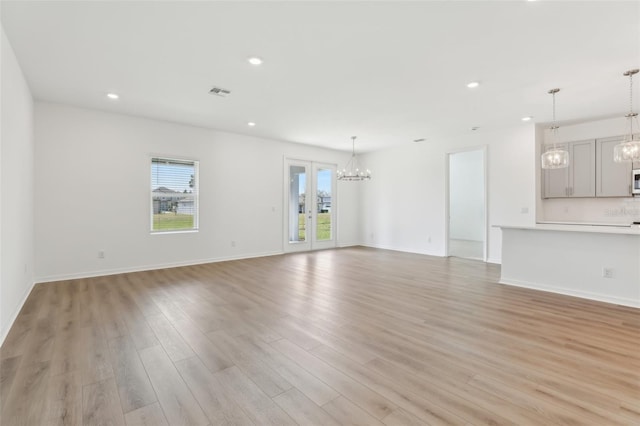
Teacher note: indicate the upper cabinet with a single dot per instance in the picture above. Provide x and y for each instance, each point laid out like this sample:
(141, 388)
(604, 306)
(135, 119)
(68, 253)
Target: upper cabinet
(582, 158)
(612, 179)
(591, 172)
(577, 180)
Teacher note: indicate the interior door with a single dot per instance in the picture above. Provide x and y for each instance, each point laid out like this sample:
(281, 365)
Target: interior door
(310, 205)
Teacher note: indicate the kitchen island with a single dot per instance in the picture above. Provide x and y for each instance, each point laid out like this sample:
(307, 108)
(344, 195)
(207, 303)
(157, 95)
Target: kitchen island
(593, 261)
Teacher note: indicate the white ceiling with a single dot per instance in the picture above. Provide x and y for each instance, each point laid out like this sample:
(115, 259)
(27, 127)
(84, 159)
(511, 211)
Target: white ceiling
(389, 72)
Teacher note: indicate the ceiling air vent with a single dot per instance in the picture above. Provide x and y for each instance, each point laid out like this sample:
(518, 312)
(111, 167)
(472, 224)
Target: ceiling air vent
(218, 91)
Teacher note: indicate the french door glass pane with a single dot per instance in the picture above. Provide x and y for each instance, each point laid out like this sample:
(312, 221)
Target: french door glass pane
(323, 194)
(297, 204)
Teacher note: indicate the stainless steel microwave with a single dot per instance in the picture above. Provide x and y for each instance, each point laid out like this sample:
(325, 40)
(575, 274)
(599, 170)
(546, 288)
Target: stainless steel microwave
(635, 181)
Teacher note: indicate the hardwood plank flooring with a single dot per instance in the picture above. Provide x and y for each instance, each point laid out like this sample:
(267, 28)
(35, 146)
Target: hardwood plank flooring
(345, 336)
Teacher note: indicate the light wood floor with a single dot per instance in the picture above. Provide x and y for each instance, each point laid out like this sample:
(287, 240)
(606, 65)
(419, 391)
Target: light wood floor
(350, 336)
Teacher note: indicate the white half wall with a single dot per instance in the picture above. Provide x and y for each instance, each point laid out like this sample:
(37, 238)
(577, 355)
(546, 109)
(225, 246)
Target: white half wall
(17, 188)
(572, 262)
(93, 183)
(403, 205)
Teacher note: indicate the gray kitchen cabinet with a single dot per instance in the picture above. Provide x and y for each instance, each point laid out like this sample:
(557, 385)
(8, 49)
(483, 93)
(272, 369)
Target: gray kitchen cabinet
(612, 179)
(577, 180)
(555, 181)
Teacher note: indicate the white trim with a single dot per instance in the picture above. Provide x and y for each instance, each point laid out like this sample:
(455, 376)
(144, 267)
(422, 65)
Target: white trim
(404, 250)
(5, 333)
(485, 167)
(187, 231)
(569, 292)
(494, 260)
(352, 244)
(310, 244)
(104, 272)
(195, 192)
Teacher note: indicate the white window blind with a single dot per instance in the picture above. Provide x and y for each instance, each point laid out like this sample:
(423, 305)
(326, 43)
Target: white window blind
(174, 195)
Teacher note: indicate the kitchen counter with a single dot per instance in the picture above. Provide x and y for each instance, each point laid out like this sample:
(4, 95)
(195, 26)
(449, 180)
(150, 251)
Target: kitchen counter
(593, 261)
(579, 227)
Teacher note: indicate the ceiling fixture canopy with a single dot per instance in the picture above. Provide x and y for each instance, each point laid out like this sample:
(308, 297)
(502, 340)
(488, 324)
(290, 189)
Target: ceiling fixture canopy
(554, 158)
(352, 171)
(629, 149)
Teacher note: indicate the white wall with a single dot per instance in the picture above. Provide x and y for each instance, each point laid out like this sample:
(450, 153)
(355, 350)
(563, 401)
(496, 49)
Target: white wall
(92, 193)
(466, 195)
(16, 182)
(403, 206)
(592, 210)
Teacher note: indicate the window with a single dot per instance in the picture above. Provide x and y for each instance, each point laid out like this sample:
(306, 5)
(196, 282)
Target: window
(174, 195)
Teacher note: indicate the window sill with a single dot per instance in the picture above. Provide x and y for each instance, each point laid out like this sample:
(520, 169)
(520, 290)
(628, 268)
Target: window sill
(185, 231)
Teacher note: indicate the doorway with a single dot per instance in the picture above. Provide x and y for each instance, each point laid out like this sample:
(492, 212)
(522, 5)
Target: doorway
(310, 205)
(467, 214)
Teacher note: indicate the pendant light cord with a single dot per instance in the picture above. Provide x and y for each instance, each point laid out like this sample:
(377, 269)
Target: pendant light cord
(554, 125)
(631, 114)
(630, 94)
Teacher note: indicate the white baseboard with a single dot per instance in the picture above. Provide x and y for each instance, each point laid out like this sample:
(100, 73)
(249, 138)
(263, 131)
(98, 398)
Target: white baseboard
(104, 272)
(494, 260)
(26, 294)
(352, 244)
(571, 292)
(402, 249)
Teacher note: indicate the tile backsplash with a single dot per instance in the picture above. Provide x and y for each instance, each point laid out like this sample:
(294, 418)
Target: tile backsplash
(592, 210)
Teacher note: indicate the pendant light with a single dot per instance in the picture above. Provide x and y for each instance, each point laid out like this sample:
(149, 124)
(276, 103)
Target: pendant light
(554, 158)
(629, 149)
(352, 171)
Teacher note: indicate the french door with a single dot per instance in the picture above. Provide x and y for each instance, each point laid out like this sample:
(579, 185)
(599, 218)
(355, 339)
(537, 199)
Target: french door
(310, 205)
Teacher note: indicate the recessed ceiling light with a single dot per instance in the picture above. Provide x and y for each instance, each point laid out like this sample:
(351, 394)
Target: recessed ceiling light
(112, 95)
(254, 60)
(251, 124)
(526, 118)
(473, 84)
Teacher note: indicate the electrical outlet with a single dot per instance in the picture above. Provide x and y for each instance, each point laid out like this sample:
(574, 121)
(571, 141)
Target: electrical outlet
(524, 210)
(101, 254)
(607, 272)
(233, 243)
(429, 239)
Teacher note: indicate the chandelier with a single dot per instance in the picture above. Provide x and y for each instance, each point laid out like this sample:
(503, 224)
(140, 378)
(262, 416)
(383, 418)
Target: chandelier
(352, 171)
(629, 149)
(554, 158)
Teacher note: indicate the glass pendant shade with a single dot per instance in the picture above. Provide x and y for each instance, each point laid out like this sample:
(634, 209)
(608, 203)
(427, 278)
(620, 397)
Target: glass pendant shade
(555, 159)
(628, 150)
